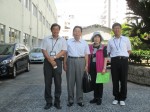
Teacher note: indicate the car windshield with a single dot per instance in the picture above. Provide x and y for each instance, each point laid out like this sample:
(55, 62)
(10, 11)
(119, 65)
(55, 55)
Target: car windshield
(36, 50)
(6, 49)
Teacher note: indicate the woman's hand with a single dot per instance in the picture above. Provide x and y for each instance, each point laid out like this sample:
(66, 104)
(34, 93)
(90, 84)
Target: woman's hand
(103, 71)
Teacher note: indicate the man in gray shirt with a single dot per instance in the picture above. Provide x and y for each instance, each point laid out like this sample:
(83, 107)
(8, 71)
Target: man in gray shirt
(53, 48)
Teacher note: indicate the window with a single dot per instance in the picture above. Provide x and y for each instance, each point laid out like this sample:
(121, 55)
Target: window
(49, 7)
(34, 10)
(14, 35)
(26, 3)
(34, 39)
(30, 5)
(26, 39)
(2, 33)
(67, 25)
(6, 49)
(36, 50)
(46, 23)
(43, 20)
(47, 3)
(40, 16)
(49, 26)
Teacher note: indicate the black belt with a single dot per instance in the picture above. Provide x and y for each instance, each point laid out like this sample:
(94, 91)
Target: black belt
(75, 57)
(120, 57)
(60, 59)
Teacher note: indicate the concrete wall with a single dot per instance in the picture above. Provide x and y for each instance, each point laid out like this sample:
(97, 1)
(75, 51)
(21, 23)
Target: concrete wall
(139, 74)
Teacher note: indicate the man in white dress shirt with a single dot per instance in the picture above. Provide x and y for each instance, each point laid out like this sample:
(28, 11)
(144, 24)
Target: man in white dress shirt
(77, 63)
(119, 49)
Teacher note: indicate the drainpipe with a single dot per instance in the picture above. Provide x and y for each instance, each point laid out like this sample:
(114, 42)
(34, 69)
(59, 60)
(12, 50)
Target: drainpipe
(36, 41)
(109, 13)
(22, 24)
(30, 27)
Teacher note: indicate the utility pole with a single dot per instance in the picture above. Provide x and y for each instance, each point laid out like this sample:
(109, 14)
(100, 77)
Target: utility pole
(109, 13)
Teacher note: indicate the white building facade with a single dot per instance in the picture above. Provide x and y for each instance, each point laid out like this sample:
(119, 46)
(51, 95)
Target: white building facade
(66, 21)
(114, 11)
(26, 21)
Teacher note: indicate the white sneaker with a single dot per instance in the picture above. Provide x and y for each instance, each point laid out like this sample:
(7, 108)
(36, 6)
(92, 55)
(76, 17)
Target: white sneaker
(115, 102)
(122, 103)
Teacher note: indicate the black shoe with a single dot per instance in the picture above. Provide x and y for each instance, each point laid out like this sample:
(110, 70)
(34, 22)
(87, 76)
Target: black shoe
(69, 104)
(81, 104)
(47, 106)
(99, 101)
(93, 101)
(57, 105)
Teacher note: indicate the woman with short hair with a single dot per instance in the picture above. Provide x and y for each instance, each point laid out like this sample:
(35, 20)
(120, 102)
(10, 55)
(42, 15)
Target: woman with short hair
(97, 63)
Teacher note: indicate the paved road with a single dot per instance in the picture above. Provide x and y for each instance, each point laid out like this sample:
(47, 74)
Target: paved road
(25, 94)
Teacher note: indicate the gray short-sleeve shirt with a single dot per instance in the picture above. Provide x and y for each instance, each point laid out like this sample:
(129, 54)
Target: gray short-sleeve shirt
(50, 44)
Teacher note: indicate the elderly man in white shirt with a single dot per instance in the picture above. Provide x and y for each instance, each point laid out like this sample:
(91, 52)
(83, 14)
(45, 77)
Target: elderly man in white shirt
(75, 65)
(119, 49)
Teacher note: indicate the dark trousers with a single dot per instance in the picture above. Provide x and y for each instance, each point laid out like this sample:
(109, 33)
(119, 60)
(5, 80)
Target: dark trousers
(119, 71)
(98, 88)
(49, 74)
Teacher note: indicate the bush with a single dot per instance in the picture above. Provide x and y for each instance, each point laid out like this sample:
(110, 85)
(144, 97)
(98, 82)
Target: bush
(140, 57)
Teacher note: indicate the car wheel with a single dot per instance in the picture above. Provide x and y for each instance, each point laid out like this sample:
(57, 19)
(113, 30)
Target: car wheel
(28, 67)
(14, 72)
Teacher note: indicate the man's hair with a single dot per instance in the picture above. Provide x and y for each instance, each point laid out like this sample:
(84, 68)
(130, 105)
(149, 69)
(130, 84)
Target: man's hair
(77, 27)
(55, 24)
(116, 24)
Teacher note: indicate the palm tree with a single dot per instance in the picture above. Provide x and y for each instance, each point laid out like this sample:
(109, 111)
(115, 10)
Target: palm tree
(142, 19)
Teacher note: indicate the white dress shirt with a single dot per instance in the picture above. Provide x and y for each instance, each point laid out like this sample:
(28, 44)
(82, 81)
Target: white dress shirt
(77, 48)
(119, 46)
(50, 44)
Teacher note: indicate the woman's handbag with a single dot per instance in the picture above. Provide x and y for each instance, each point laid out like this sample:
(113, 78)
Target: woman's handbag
(86, 83)
(103, 78)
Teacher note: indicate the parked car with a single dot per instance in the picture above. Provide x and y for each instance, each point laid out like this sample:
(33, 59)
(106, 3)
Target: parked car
(14, 58)
(108, 62)
(36, 55)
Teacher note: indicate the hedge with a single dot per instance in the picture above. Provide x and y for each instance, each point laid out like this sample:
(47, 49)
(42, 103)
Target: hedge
(140, 57)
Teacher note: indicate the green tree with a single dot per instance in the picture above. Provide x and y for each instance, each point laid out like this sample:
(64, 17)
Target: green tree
(141, 10)
(135, 42)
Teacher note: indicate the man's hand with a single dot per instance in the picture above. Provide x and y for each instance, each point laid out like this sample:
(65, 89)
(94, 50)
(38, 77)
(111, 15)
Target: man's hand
(50, 59)
(86, 69)
(65, 67)
(53, 63)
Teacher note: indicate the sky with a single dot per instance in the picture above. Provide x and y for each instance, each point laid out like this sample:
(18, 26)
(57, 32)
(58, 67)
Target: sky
(87, 12)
